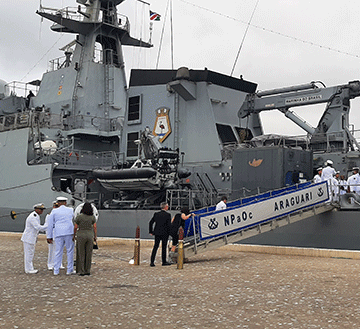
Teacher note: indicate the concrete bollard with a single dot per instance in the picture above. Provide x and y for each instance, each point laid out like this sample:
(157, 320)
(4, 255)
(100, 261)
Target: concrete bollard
(137, 247)
(180, 259)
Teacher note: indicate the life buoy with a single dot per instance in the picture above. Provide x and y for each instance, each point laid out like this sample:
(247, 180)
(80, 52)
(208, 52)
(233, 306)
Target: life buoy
(76, 154)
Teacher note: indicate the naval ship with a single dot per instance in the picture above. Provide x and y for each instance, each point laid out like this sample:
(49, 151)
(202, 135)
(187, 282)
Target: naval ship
(184, 136)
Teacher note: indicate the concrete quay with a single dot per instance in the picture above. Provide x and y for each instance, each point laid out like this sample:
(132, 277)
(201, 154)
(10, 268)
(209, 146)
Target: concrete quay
(236, 286)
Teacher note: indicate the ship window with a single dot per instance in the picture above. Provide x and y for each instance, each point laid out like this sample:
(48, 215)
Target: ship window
(134, 109)
(132, 148)
(226, 134)
(244, 134)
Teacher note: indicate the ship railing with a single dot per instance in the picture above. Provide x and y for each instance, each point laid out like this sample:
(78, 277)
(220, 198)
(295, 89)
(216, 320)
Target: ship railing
(339, 141)
(79, 14)
(178, 198)
(66, 158)
(94, 122)
(22, 89)
(58, 121)
(14, 121)
(66, 12)
(57, 63)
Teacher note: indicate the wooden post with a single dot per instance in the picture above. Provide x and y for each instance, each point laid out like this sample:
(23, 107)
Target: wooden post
(137, 247)
(180, 259)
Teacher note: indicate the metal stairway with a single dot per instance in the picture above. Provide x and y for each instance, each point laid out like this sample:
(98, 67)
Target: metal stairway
(209, 229)
(193, 246)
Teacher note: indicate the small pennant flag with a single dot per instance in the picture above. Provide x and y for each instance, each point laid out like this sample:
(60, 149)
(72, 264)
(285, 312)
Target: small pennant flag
(154, 16)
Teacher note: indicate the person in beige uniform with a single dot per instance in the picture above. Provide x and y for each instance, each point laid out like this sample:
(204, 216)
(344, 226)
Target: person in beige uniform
(29, 237)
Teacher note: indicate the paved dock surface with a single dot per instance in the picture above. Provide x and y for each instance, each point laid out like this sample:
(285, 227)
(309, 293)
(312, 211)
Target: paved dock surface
(224, 288)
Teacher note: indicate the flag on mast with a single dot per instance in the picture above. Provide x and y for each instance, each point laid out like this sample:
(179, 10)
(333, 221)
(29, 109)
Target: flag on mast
(154, 16)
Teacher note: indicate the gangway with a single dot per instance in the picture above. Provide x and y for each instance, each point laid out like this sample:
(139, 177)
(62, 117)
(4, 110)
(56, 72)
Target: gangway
(209, 229)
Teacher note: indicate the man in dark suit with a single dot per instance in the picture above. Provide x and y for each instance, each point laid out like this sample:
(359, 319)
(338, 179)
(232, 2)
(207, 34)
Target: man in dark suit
(162, 220)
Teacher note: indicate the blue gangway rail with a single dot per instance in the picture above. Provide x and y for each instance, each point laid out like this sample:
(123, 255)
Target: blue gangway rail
(248, 212)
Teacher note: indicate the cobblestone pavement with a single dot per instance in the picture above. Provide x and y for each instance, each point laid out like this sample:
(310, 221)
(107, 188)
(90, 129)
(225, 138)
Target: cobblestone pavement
(217, 289)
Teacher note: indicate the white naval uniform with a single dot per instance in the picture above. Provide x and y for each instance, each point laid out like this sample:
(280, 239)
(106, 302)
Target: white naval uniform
(221, 205)
(342, 183)
(327, 173)
(61, 219)
(317, 178)
(51, 248)
(29, 238)
(335, 189)
(353, 182)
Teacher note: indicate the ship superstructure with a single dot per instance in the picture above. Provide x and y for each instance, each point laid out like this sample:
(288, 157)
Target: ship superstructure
(118, 145)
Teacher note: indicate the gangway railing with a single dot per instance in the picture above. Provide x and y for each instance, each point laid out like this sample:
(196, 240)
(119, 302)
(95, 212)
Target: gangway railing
(244, 218)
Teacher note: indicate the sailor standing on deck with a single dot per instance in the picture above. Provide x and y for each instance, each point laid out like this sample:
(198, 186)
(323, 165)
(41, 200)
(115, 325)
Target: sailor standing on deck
(342, 185)
(328, 172)
(327, 175)
(335, 185)
(29, 237)
(222, 204)
(61, 219)
(317, 177)
(354, 181)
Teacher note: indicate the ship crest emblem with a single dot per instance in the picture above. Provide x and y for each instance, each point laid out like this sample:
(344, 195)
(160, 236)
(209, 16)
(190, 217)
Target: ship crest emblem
(162, 126)
(256, 163)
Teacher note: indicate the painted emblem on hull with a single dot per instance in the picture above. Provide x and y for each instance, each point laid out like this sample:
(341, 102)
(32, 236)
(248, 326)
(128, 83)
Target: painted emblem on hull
(162, 126)
(256, 163)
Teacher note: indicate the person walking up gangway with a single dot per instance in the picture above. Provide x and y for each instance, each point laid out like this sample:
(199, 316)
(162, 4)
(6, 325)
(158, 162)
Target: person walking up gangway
(327, 174)
(317, 177)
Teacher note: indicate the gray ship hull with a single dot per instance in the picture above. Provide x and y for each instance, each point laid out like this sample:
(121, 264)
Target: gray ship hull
(331, 230)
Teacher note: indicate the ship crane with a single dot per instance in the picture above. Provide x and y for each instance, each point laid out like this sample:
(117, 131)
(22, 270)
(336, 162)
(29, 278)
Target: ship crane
(332, 131)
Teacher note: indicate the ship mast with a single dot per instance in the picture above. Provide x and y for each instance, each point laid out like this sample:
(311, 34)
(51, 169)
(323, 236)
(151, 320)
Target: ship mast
(96, 23)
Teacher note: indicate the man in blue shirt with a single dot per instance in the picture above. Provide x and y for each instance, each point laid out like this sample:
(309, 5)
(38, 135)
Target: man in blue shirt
(61, 219)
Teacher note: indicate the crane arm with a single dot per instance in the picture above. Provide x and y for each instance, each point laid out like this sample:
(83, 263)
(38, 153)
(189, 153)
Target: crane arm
(283, 99)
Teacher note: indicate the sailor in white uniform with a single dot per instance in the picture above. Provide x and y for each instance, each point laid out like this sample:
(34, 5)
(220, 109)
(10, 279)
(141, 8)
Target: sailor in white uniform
(29, 237)
(61, 219)
(51, 246)
(328, 172)
(335, 185)
(317, 177)
(354, 181)
(342, 185)
(222, 204)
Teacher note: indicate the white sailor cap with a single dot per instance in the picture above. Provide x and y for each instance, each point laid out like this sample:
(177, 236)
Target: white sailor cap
(39, 206)
(337, 172)
(355, 168)
(329, 162)
(61, 199)
(318, 169)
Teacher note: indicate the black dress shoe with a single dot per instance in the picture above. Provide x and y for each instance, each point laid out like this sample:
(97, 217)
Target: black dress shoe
(152, 264)
(166, 264)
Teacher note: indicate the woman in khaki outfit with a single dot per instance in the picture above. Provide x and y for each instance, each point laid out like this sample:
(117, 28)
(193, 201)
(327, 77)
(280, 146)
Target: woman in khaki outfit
(85, 230)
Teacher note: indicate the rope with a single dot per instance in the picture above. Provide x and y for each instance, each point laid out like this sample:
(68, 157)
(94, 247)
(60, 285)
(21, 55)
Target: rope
(162, 35)
(243, 39)
(27, 184)
(274, 32)
(172, 37)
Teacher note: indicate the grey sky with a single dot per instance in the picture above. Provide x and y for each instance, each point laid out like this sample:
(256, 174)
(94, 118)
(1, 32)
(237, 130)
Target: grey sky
(210, 37)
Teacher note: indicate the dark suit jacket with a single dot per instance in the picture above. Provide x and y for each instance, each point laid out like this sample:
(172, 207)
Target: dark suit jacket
(162, 220)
